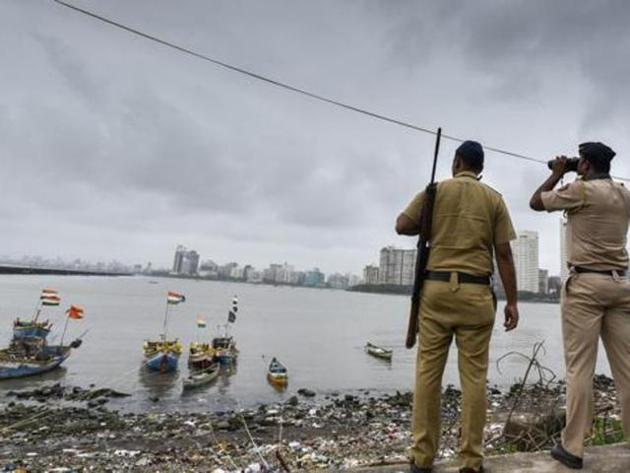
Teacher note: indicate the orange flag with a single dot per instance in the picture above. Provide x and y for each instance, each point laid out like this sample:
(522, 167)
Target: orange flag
(75, 312)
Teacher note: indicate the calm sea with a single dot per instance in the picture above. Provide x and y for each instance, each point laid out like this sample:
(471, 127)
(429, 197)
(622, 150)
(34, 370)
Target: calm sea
(318, 334)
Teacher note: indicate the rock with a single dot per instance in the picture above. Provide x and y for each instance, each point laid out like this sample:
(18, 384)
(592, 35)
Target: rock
(293, 401)
(306, 392)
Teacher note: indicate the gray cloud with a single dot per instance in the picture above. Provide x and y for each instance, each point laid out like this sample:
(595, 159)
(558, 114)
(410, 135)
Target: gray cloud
(112, 146)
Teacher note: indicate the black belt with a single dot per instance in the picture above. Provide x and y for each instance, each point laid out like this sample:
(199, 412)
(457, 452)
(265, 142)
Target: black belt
(463, 278)
(608, 272)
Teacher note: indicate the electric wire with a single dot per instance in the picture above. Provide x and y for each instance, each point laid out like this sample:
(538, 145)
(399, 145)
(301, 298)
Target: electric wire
(291, 88)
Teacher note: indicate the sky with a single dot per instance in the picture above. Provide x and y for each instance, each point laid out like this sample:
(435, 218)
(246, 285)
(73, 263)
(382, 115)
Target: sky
(115, 147)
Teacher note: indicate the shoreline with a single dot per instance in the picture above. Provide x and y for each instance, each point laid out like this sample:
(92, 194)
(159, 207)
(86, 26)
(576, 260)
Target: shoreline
(70, 427)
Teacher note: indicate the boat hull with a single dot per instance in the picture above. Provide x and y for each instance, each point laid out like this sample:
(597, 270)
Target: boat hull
(162, 362)
(378, 352)
(201, 378)
(24, 368)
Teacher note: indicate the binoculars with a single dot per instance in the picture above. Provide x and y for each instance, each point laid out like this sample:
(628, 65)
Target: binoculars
(572, 164)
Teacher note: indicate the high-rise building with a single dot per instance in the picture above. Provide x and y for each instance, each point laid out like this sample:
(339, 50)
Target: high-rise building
(397, 266)
(180, 253)
(525, 251)
(185, 262)
(564, 269)
(543, 281)
(370, 275)
(314, 278)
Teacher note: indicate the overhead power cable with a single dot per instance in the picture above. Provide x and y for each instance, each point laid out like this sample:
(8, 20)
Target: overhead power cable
(292, 88)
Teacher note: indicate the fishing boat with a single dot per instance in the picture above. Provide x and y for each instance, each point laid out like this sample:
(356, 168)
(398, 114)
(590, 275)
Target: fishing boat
(277, 373)
(202, 377)
(163, 355)
(378, 352)
(225, 345)
(17, 361)
(23, 329)
(225, 348)
(200, 355)
(28, 356)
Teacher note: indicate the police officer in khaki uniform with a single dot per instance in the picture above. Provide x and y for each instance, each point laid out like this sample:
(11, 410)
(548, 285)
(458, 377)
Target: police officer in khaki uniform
(470, 224)
(596, 295)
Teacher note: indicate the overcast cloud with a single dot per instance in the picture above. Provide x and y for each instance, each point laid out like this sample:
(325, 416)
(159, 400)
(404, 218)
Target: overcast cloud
(115, 147)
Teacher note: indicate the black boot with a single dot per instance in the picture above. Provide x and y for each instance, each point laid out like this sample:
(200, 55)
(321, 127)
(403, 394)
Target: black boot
(567, 459)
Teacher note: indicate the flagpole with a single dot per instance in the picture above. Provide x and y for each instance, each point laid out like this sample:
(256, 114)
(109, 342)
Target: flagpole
(64, 329)
(165, 319)
(37, 309)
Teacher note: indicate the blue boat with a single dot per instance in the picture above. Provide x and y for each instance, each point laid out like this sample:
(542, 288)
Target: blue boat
(162, 356)
(15, 363)
(225, 350)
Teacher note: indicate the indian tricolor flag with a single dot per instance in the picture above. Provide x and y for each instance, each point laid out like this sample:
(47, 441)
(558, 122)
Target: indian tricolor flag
(201, 323)
(75, 312)
(175, 298)
(50, 297)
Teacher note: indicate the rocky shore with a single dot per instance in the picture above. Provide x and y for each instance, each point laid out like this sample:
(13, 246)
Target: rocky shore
(66, 429)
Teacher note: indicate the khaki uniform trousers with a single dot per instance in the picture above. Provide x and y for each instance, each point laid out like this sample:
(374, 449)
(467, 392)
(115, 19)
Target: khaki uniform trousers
(594, 305)
(466, 312)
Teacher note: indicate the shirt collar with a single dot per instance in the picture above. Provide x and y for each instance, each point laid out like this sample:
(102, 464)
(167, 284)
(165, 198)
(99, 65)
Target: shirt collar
(467, 174)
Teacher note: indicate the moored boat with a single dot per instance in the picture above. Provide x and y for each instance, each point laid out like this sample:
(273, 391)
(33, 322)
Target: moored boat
(23, 359)
(162, 355)
(277, 373)
(202, 377)
(378, 352)
(31, 355)
(225, 349)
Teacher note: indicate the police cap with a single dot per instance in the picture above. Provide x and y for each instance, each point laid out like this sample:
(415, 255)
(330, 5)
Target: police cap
(596, 151)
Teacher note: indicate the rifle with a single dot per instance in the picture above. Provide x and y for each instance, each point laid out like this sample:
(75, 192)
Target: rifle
(423, 248)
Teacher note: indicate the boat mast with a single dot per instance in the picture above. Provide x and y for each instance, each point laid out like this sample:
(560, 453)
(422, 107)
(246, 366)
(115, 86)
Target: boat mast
(38, 309)
(165, 321)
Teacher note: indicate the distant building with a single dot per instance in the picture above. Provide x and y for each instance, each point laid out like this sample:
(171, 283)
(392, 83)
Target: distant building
(227, 270)
(209, 269)
(543, 281)
(554, 284)
(396, 266)
(178, 261)
(253, 276)
(271, 274)
(185, 262)
(190, 264)
(297, 278)
(525, 251)
(337, 281)
(314, 278)
(353, 280)
(370, 275)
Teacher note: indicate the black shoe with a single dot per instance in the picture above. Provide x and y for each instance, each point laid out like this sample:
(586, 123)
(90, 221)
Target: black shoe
(467, 469)
(420, 469)
(567, 459)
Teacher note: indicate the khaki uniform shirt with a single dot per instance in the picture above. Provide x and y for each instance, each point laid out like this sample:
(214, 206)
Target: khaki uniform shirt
(469, 218)
(597, 213)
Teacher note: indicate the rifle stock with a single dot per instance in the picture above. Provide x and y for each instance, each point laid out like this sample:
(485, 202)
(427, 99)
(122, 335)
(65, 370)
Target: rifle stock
(423, 250)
